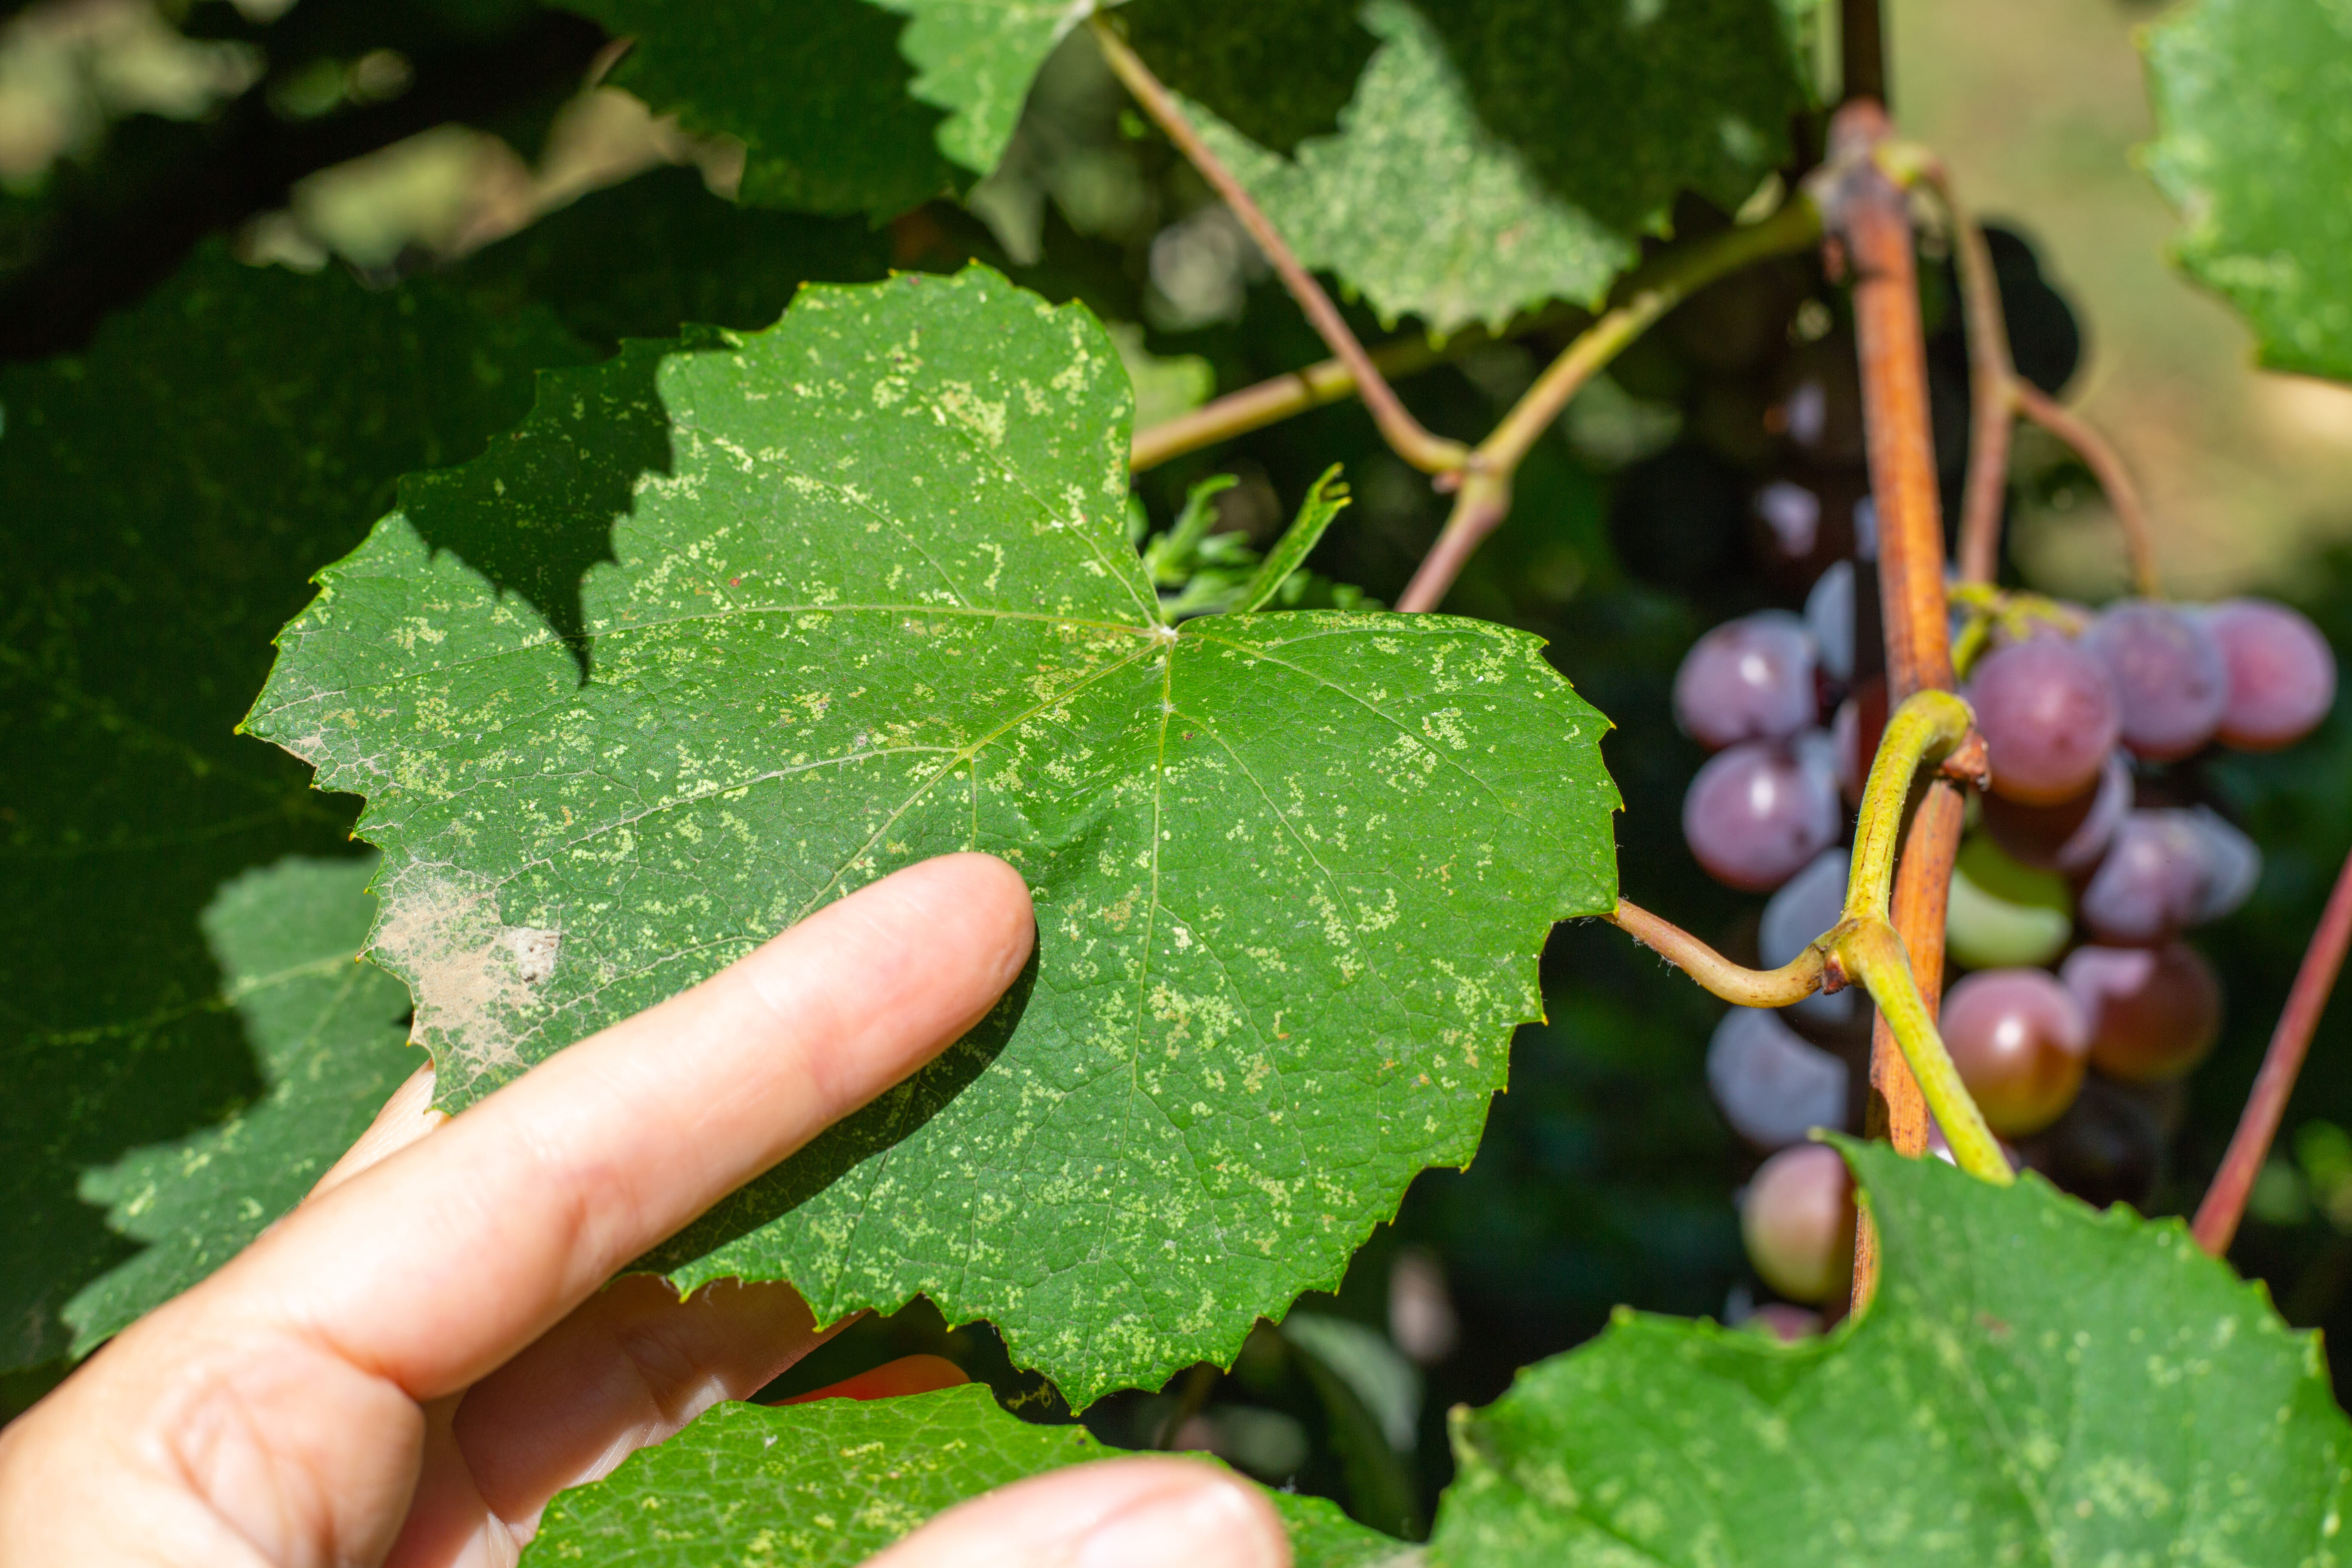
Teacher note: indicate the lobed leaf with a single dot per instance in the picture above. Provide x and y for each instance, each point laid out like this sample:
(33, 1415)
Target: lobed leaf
(2254, 104)
(868, 598)
(2035, 1383)
(164, 498)
(1456, 189)
(843, 106)
(330, 1033)
(835, 1481)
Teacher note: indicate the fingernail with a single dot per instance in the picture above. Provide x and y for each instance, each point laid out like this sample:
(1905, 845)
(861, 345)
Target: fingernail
(1209, 1523)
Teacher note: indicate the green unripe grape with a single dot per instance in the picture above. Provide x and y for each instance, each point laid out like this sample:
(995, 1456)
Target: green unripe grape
(2003, 915)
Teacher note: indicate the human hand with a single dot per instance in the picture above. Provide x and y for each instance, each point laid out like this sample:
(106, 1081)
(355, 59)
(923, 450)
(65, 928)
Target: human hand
(408, 1366)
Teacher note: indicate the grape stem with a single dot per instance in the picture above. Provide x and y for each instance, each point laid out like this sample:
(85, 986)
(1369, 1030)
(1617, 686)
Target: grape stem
(2225, 1200)
(1483, 498)
(1871, 221)
(1998, 394)
(1405, 434)
(1932, 729)
(1295, 391)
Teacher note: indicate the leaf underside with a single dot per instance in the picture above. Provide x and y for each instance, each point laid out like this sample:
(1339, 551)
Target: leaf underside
(835, 1481)
(2035, 1383)
(868, 599)
(2253, 102)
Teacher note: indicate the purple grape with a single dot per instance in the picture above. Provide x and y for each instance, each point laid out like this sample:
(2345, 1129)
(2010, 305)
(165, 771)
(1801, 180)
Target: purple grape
(1749, 679)
(2048, 716)
(1757, 812)
(2282, 673)
(1808, 904)
(2232, 865)
(2168, 869)
(1829, 614)
(1804, 520)
(2070, 837)
(2167, 674)
(1770, 1084)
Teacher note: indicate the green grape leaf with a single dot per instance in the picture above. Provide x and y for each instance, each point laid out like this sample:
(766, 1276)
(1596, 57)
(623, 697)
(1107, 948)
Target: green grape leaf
(1457, 191)
(2255, 148)
(846, 105)
(975, 58)
(643, 259)
(164, 496)
(1277, 74)
(816, 90)
(871, 599)
(331, 1033)
(2036, 1382)
(835, 1481)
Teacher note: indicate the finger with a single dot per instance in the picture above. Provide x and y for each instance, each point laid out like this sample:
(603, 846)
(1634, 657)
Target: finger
(440, 1263)
(406, 1117)
(630, 1366)
(1117, 1513)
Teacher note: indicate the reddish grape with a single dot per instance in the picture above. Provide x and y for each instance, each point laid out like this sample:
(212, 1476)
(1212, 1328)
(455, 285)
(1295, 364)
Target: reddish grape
(2282, 673)
(1770, 1085)
(1796, 1219)
(2157, 873)
(1757, 812)
(2047, 716)
(2168, 675)
(1749, 679)
(2154, 1013)
(2070, 837)
(2020, 1043)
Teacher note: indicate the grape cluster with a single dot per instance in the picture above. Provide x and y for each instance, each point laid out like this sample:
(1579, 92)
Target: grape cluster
(2078, 1006)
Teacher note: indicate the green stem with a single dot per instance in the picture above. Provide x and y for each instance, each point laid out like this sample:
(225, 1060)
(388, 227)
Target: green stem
(1735, 984)
(1925, 727)
(1484, 497)
(1869, 950)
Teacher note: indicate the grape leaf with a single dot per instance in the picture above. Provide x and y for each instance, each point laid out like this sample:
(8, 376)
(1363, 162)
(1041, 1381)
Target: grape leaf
(332, 1037)
(836, 1480)
(975, 58)
(816, 89)
(1278, 74)
(2255, 148)
(1457, 191)
(2036, 1382)
(163, 499)
(871, 600)
(844, 107)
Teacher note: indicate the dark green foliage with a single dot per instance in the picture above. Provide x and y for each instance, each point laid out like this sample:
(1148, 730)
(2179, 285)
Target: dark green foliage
(645, 258)
(164, 500)
(1276, 73)
(2034, 1382)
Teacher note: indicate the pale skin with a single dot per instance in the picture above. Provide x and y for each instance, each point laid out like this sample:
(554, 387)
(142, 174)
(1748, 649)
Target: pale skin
(407, 1368)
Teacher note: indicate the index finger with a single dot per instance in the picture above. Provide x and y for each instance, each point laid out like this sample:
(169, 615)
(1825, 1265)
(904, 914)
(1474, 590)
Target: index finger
(436, 1266)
